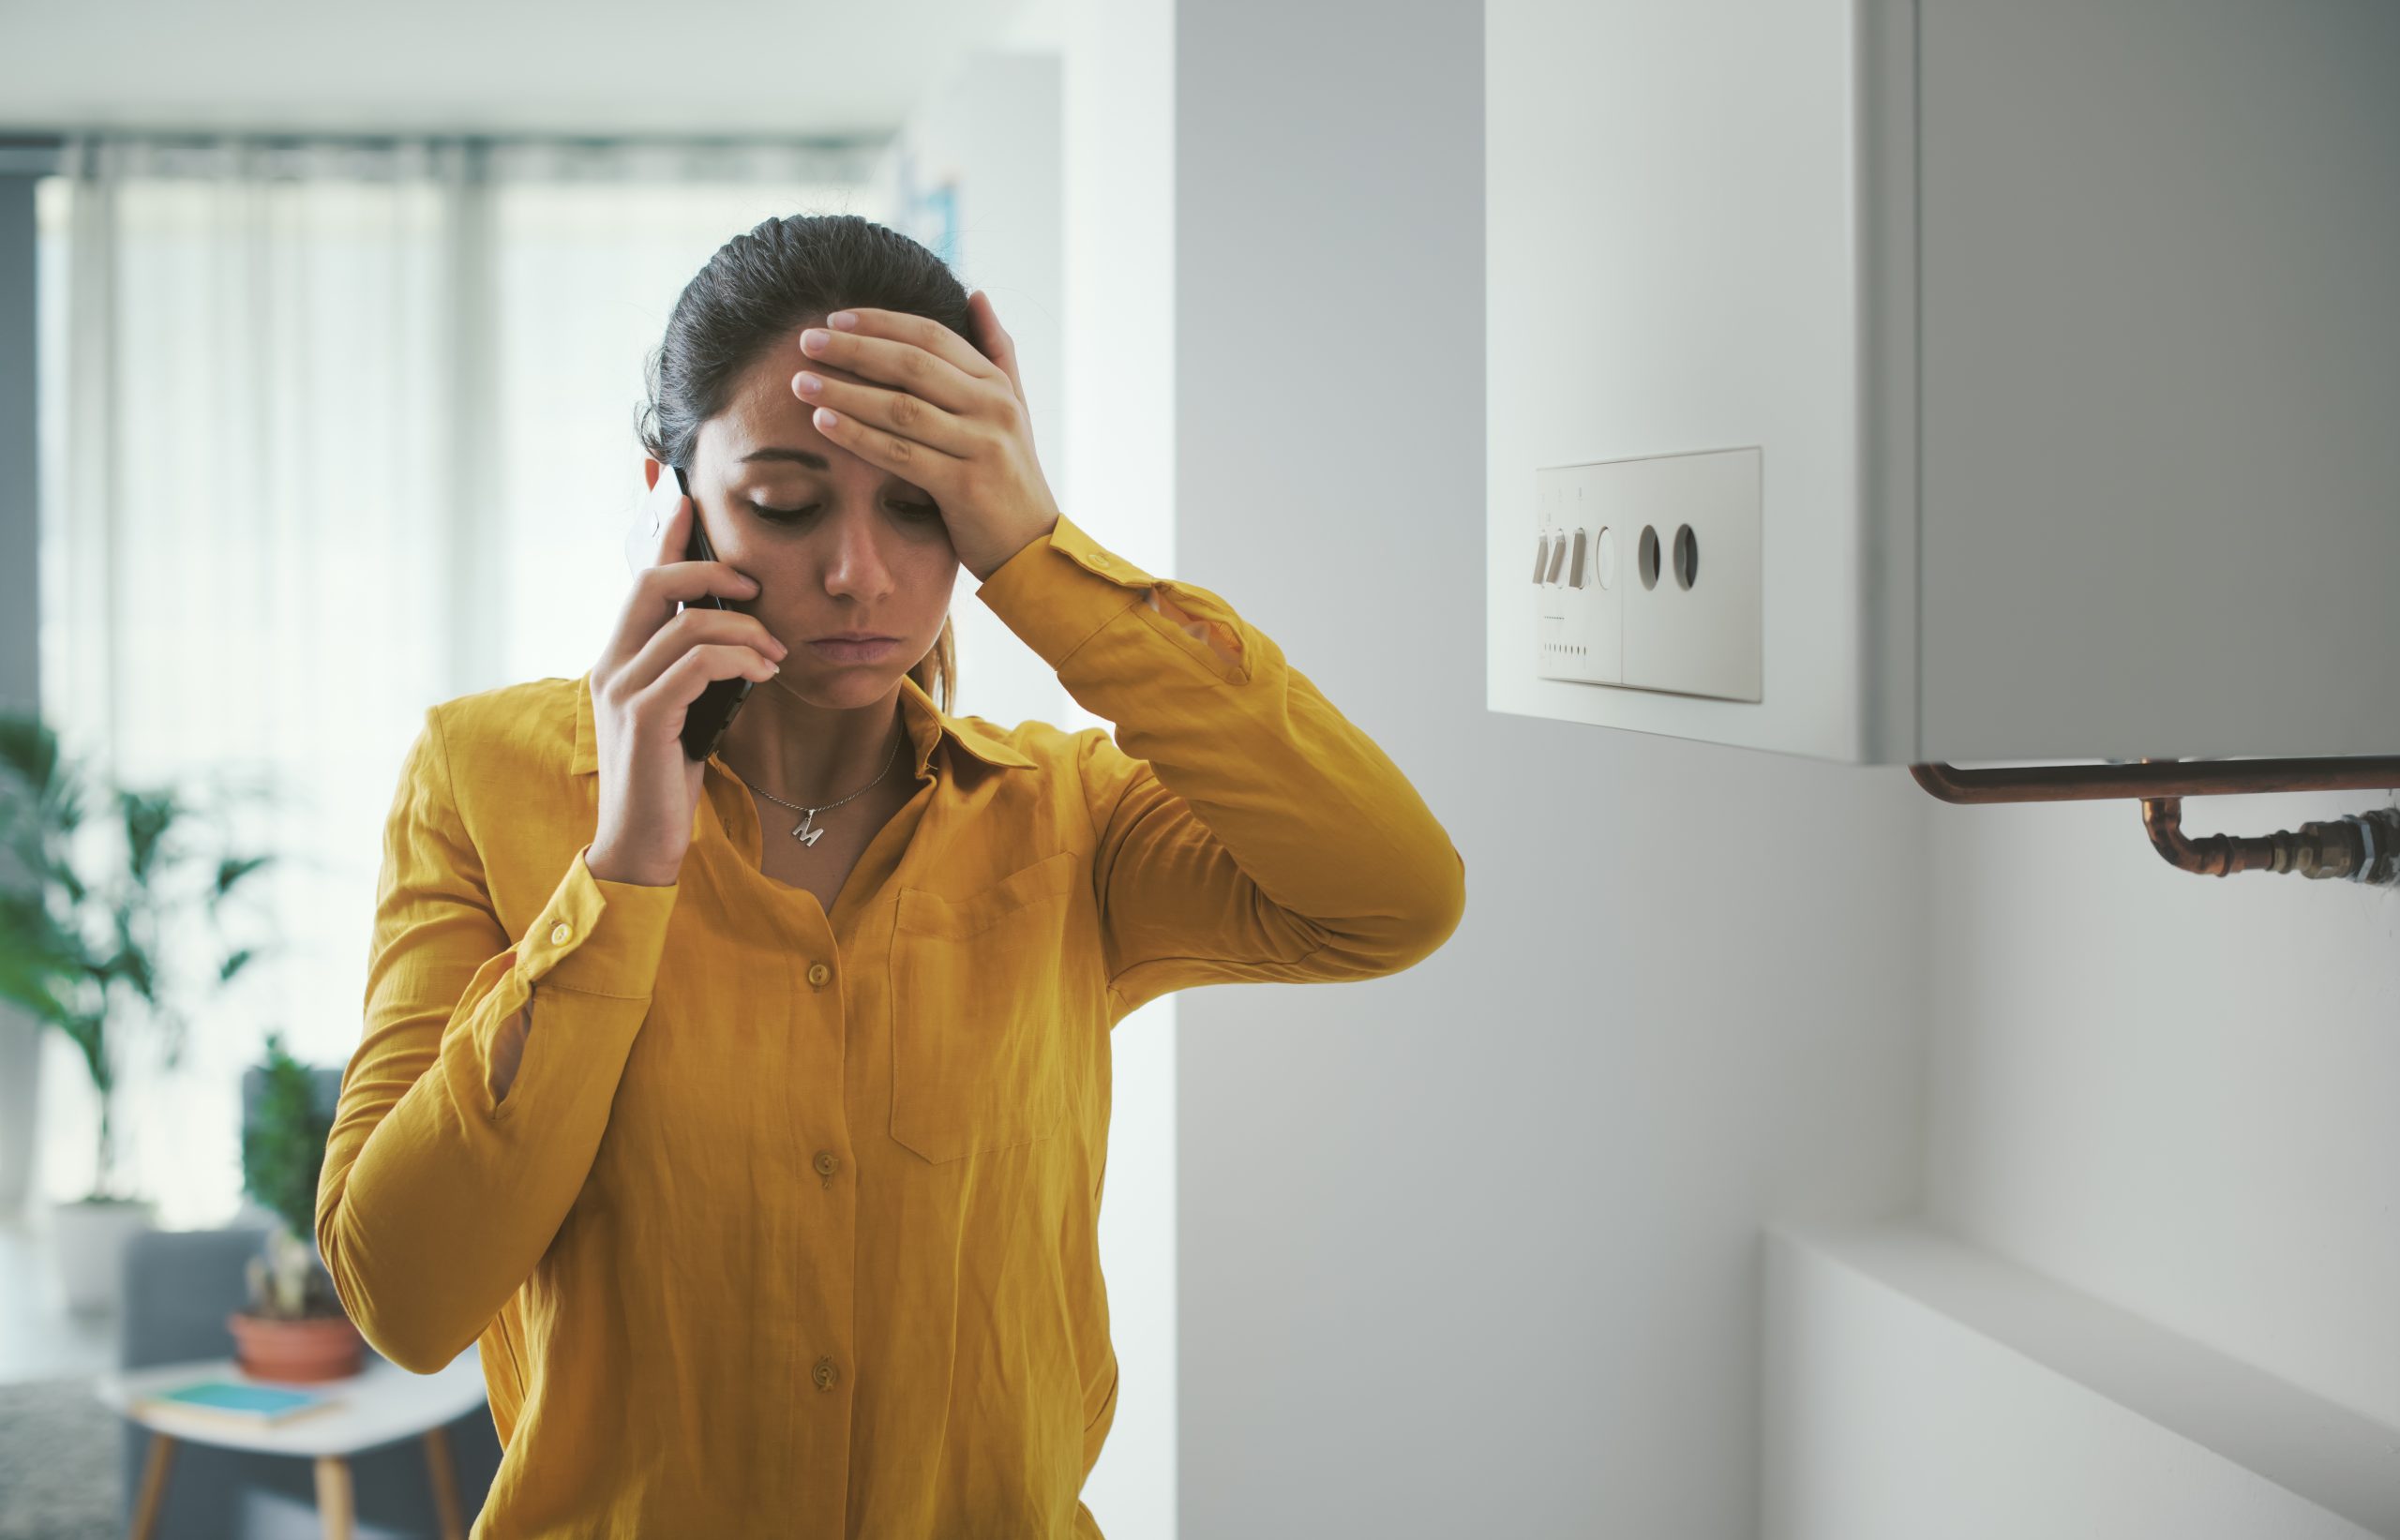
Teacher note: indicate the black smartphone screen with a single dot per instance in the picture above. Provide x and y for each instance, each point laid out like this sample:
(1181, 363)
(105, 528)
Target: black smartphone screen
(705, 723)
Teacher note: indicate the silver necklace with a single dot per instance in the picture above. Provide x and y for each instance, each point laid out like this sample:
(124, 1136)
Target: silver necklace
(802, 832)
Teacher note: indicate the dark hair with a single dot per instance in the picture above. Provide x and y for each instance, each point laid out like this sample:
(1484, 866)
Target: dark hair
(759, 288)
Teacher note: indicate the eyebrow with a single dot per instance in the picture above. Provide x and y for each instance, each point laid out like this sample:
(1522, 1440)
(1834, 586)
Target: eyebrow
(808, 457)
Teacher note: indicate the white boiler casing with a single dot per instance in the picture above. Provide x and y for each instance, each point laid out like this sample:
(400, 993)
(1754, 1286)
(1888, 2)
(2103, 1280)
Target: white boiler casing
(2058, 339)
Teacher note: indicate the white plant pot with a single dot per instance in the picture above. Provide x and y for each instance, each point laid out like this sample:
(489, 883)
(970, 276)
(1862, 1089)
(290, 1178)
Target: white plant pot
(89, 1240)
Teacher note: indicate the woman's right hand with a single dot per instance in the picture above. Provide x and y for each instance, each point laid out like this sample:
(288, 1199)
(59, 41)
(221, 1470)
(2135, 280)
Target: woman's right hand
(655, 666)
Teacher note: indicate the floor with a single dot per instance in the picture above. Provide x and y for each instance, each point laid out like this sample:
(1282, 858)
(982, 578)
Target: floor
(59, 1445)
(39, 1338)
(61, 1462)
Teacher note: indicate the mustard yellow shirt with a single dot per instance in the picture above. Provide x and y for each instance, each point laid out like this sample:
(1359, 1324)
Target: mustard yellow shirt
(787, 1223)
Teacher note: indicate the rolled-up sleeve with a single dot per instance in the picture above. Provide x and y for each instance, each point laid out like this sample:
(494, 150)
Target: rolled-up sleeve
(1246, 829)
(438, 1197)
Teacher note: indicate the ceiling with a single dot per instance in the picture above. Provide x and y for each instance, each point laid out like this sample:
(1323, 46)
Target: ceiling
(805, 68)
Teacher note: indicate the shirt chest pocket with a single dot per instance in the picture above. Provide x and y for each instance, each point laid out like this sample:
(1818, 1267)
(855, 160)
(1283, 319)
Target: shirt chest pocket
(978, 1039)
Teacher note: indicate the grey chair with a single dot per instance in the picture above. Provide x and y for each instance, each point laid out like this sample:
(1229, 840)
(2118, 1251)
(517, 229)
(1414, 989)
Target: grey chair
(179, 1287)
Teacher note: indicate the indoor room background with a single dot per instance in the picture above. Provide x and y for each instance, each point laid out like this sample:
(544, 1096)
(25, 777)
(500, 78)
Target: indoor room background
(1780, 1147)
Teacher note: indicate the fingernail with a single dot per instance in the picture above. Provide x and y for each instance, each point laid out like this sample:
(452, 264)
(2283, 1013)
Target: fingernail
(846, 320)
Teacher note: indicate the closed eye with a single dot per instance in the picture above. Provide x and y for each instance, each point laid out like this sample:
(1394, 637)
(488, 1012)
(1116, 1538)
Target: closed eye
(793, 516)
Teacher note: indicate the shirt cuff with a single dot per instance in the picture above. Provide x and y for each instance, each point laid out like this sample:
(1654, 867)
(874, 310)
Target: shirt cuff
(1062, 588)
(598, 936)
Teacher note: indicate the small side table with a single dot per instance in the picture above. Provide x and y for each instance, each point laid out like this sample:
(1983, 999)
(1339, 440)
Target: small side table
(379, 1404)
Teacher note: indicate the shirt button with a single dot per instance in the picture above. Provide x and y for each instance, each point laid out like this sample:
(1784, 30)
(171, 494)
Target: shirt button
(560, 931)
(825, 1375)
(826, 1163)
(1098, 560)
(818, 974)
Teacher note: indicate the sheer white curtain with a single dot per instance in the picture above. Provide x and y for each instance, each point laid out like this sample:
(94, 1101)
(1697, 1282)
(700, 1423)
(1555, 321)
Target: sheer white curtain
(332, 431)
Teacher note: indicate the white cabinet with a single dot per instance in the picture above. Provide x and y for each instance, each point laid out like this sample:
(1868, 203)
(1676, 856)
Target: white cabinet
(2059, 341)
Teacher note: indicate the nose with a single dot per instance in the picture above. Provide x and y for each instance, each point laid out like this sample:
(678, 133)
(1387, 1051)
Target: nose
(856, 563)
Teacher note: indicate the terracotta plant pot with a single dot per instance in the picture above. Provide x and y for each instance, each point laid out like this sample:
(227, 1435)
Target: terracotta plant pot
(325, 1347)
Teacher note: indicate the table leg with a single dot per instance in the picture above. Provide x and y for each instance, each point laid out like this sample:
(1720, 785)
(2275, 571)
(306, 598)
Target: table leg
(445, 1483)
(337, 1500)
(154, 1486)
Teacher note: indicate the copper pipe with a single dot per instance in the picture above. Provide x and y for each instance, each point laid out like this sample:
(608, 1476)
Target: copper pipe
(2201, 777)
(2360, 847)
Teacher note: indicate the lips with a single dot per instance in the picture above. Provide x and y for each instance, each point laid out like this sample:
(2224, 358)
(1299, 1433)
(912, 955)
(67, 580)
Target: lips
(842, 650)
(854, 637)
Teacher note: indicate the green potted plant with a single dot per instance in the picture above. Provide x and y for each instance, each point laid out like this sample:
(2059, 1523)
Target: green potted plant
(296, 1328)
(82, 950)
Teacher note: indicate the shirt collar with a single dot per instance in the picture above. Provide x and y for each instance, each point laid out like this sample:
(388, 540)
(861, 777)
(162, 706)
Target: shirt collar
(927, 725)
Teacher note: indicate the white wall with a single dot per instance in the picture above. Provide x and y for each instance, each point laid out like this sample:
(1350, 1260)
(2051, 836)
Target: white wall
(1055, 143)
(1119, 483)
(1476, 1250)
(1479, 1249)
(2179, 1094)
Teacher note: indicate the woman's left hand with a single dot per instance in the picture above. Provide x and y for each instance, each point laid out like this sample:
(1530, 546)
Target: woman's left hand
(956, 425)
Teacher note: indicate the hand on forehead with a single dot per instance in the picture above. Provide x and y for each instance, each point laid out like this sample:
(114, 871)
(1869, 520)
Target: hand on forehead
(792, 359)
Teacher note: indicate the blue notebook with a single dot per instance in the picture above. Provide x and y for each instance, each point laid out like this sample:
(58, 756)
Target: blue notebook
(262, 1405)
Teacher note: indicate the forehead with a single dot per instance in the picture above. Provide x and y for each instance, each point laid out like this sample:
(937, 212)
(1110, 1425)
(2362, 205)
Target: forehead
(771, 373)
(764, 409)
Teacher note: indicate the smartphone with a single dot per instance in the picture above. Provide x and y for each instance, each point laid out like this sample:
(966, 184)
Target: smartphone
(705, 723)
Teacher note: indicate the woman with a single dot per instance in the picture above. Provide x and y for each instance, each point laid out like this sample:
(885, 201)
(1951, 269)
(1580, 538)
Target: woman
(751, 1114)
